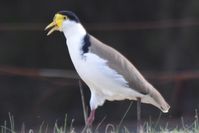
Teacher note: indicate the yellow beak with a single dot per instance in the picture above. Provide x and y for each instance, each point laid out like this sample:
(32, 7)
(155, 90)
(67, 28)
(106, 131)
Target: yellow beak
(56, 24)
(52, 25)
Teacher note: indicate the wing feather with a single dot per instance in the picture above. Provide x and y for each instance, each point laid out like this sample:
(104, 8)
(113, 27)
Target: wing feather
(124, 67)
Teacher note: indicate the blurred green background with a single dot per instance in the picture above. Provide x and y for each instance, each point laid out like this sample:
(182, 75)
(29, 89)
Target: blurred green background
(159, 37)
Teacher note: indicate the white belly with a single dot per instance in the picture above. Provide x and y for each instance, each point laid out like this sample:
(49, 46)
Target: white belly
(103, 80)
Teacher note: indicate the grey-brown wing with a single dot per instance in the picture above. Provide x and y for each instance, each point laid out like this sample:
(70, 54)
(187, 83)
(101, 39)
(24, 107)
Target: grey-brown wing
(122, 65)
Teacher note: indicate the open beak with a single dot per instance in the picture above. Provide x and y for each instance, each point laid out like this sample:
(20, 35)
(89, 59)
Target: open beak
(53, 27)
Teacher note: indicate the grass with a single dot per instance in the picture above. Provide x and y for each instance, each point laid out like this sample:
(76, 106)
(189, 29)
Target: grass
(67, 127)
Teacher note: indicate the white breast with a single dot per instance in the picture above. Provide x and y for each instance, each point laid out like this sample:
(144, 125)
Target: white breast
(95, 71)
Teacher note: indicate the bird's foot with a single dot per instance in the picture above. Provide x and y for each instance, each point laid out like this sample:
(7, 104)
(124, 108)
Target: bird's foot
(91, 118)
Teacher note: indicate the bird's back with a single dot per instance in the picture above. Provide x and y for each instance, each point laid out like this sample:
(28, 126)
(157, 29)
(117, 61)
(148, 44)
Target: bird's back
(124, 67)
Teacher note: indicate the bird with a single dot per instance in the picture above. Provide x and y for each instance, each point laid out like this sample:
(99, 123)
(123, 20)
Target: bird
(108, 74)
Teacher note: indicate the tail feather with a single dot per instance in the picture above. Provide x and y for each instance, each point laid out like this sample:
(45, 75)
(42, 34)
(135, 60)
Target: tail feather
(156, 99)
(160, 101)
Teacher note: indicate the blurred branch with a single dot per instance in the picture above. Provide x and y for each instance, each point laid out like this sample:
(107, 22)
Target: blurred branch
(59, 73)
(30, 72)
(174, 76)
(161, 24)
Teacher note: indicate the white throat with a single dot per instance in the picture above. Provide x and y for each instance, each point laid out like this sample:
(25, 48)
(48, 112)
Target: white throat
(73, 29)
(74, 33)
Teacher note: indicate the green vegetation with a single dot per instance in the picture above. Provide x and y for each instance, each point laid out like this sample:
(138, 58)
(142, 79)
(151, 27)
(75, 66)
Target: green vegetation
(66, 127)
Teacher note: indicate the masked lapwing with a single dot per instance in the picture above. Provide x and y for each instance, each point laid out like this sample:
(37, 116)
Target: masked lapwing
(109, 75)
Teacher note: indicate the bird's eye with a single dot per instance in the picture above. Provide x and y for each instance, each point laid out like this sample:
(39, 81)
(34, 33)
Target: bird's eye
(64, 18)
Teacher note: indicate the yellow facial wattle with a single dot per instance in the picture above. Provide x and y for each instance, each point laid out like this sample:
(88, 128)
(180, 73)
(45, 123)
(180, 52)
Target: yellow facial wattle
(58, 19)
(57, 23)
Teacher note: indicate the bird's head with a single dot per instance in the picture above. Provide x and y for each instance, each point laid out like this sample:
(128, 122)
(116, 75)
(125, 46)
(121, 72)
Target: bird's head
(61, 20)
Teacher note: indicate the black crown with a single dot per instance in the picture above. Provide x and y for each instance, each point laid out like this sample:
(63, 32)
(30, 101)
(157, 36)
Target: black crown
(70, 15)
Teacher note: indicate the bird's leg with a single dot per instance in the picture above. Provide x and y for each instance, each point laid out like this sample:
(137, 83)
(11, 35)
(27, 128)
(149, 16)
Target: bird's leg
(91, 118)
(139, 124)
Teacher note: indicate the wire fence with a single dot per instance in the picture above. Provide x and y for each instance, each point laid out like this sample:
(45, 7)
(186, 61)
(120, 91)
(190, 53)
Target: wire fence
(60, 73)
(161, 24)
